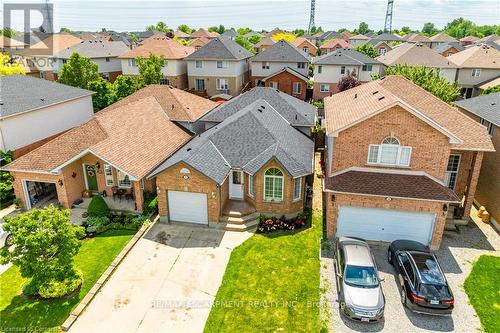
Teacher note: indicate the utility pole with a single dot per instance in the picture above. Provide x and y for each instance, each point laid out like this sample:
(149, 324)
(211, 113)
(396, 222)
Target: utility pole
(388, 17)
(311, 18)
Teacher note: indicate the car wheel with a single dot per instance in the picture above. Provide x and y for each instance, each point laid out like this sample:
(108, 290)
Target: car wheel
(389, 256)
(8, 240)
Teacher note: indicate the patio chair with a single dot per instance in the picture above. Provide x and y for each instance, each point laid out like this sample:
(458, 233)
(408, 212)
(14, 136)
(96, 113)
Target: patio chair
(129, 194)
(116, 192)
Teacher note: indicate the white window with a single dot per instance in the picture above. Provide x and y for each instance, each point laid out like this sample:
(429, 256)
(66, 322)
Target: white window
(105, 76)
(196, 48)
(297, 188)
(200, 84)
(132, 63)
(389, 152)
(273, 85)
(382, 50)
(107, 59)
(297, 87)
(265, 65)
(450, 53)
(273, 185)
(488, 125)
(222, 84)
(250, 186)
(123, 179)
(320, 69)
(342, 69)
(301, 65)
(476, 72)
(367, 68)
(450, 178)
(324, 87)
(305, 49)
(199, 64)
(108, 175)
(222, 64)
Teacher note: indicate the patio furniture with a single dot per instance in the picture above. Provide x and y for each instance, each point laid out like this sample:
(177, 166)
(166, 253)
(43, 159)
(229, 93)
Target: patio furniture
(116, 192)
(121, 193)
(130, 194)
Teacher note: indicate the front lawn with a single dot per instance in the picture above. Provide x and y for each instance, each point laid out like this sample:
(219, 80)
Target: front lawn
(483, 288)
(19, 313)
(271, 284)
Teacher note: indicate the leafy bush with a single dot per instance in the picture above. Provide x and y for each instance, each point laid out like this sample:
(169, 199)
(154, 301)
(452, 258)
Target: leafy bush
(150, 202)
(56, 289)
(97, 224)
(98, 207)
(6, 189)
(270, 224)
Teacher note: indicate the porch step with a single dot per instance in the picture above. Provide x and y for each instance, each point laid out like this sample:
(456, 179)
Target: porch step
(451, 224)
(237, 208)
(251, 224)
(239, 219)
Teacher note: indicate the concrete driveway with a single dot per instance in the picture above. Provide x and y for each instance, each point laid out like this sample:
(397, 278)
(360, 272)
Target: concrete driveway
(458, 251)
(165, 284)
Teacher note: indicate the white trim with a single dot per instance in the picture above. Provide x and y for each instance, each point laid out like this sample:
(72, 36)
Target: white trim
(449, 172)
(26, 194)
(289, 70)
(294, 199)
(282, 177)
(412, 110)
(252, 182)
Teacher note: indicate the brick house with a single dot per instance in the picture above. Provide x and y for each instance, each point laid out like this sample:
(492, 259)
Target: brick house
(399, 161)
(331, 67)
(175, 70)
(484, 109)
(264, 44)
(358, 40)
(333, 45)
(449, 48)
(27, 100)
(288, 81)
(441, 38)
(110, 154)
(198, 43)
(254, 161)
(305, 45)
(381, 46)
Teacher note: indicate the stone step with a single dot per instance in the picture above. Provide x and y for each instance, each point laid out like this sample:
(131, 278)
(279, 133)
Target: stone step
(239, 213)
(252, 224)
(239, 219)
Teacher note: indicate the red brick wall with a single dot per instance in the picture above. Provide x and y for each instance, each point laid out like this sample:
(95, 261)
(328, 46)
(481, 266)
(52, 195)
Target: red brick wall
(318, 95)
(285, 82)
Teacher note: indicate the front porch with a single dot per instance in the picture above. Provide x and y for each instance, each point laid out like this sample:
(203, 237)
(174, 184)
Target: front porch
(114, 204)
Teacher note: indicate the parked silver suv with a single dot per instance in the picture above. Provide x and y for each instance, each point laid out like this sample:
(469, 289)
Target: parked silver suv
(360, 294)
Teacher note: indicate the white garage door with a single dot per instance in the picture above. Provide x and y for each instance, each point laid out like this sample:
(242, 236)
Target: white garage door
(385, 224)
(187, 207)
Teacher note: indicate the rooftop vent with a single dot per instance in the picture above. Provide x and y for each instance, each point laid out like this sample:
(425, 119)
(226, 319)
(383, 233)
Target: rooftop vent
(260, 110)
(381, 98)
(355, 95)
(375, 92)
(189, 149)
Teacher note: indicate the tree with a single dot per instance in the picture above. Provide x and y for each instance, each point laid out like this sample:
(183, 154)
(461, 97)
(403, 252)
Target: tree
(6, 189)
(67, 30)
(78, 71)
(283, 36)
(45, 243)
(124, 86)
(243, 31)
(160, 26)
(254, 39)
(185, 28)
(460, 28)
(491, 90)
(367, 49)
(150, 69)
(8, 32)
(220, 29)
(405, 30)
(9, 67)
(429, 29)
(428, 78)
(299, 32)
(315, 30)
(244, 42)
(103, 93)
(348, 81)
(363, 28)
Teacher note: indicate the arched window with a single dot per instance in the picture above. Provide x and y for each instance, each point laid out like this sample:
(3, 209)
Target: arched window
(273, 184)
(390, 140)
(389, 152)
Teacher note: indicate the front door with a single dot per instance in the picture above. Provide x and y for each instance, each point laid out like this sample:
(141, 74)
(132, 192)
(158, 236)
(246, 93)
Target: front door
(236, 185)
(91, 177)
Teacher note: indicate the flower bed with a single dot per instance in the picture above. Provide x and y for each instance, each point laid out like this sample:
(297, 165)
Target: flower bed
(270, 224)
(95, 225)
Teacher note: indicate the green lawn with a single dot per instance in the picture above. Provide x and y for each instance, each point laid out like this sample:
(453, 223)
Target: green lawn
(18, 312)
(483, 288)
(273, 282)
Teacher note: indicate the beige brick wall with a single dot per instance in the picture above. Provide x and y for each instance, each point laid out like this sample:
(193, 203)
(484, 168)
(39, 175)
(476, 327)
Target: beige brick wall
(332, 210)
(179, 81)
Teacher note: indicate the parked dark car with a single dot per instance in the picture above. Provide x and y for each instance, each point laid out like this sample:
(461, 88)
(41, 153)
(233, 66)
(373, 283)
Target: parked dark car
(424, 288)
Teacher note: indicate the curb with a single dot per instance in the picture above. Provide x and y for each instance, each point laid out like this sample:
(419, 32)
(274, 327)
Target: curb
(104, 277)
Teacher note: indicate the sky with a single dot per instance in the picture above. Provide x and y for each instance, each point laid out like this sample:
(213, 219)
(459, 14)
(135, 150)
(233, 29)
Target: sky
(132, 15)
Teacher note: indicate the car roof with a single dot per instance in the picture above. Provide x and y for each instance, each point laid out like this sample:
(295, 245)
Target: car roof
(357, 253)
(427, 267)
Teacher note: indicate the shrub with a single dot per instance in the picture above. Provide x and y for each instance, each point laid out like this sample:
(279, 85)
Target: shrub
(98, 207)
(97, 224)
(150, 202)
(56, 289)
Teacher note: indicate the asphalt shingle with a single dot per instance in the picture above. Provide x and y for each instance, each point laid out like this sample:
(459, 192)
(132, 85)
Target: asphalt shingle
(345, 57)
(485, 106)
(220, 48)
(282, 51)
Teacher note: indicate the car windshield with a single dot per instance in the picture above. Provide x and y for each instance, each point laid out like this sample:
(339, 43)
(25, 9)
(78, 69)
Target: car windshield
(361, 276)
(428, 268)
(437, 291)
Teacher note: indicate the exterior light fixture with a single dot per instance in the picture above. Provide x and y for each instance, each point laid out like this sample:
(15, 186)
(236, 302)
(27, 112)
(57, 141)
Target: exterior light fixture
(60, 182)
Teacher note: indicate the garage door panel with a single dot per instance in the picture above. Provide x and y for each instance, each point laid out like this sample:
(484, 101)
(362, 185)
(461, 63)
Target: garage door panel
(187, 207)
(385, 224)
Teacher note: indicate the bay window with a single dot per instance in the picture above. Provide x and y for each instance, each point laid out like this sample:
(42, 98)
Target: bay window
(273, 185)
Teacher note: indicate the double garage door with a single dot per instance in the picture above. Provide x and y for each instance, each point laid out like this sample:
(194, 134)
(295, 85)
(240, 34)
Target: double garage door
(385, 224)
(187, 207)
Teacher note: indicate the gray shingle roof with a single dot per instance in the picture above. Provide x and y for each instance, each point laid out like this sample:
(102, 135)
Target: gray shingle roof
(229, 33)
(387, 37)
(246, 140)
(344, 57)
(220, 49)
(295, 111)
(440, 48)
(485, 106)
(282, 51)
(21, 93)
(95, 49)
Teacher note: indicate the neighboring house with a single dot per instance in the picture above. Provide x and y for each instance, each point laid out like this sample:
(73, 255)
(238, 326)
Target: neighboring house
(181, 34)
(478, 64)
(417, 38)
(491, 38)
(399, 162)
(39, 58)
(253, 33)
(204, 33)
(175, 70)
(333, 45)
(327, 35)
(448, 48)
(9, 45)
(291, 63)
(489, 84)
(382, 47)
(331, 67)
(254, 161)
(103, 53)
(264, 44)
(358, 40)
(231, 34)
(198, 43)
(305, 45)
(33, 111)
(417, 54)
(111, 153)
(468, 40)
(442, 38)
(485, 110)
(386, 37)
(221, 66)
